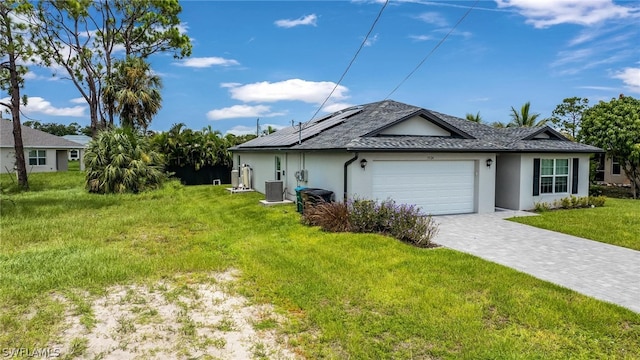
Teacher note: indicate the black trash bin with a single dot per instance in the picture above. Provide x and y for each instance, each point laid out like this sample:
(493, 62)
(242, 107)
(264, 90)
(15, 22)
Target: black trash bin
(313, 196)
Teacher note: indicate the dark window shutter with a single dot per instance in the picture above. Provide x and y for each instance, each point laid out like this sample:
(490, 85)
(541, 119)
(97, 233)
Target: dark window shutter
(574, 177)
(536, 177)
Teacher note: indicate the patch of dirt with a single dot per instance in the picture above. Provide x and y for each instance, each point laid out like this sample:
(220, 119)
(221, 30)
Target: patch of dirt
(173, 319)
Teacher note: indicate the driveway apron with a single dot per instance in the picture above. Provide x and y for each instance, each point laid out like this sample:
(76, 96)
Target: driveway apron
(605, 272)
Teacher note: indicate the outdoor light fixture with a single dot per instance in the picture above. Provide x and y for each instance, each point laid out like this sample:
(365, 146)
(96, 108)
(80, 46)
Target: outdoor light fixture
(489, 162)
(363, 163)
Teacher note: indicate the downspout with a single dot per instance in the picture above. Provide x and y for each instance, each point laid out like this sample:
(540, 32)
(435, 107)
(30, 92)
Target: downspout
(346, 164)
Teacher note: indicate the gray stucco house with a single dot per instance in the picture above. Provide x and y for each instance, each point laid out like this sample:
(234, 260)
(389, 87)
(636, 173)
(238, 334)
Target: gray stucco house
(444, 164)
(43, 152)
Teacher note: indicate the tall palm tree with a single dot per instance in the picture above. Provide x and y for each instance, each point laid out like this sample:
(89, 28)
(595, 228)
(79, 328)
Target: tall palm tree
(135, 92)
(475, 118)
(524, 118)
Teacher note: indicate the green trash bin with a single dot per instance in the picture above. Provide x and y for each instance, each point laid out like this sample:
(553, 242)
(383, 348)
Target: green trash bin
(299, 198)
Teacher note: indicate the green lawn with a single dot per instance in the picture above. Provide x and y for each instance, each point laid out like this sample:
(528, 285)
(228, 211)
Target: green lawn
(616, 223)
(357, 296)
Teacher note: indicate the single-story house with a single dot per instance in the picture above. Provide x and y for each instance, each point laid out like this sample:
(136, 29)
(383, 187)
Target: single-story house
(76, 154)
(441, 163)
(43, 152)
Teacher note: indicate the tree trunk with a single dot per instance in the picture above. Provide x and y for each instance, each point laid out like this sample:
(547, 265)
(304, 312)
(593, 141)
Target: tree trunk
(14, 90)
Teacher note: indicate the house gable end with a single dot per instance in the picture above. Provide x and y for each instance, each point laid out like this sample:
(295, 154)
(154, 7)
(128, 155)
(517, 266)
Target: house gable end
(546, 133)
(420, 123)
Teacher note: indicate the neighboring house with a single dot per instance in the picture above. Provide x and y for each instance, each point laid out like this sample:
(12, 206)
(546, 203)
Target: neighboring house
(76, 154)
(43, 152)
(444, 164)
(610, 171)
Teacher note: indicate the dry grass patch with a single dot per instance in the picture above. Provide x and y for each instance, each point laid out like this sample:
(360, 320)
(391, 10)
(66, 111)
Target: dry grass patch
(171, 319)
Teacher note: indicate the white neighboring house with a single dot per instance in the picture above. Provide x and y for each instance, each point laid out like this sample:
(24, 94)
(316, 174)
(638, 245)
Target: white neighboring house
(441, 163)
(76, 154)
(43, 152)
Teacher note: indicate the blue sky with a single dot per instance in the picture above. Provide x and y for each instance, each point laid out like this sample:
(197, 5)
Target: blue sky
(278, 61)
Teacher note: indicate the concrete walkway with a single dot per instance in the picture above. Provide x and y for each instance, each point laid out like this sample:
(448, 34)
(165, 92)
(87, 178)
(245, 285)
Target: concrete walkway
(603, 271)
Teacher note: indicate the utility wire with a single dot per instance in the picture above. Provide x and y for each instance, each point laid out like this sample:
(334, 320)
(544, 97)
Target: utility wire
(352, 60)
(434, 49)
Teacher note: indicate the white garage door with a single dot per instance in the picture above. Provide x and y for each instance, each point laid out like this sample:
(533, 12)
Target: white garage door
(438, 187)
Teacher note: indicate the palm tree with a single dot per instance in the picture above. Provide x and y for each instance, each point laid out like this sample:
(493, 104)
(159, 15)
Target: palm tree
(135, 92)
(120, 161)
(524, 118)
(475, 118)
(499, 124)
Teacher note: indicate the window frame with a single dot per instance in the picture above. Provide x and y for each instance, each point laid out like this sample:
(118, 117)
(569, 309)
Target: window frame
(549, 183)
(38, 156)
(615, 162)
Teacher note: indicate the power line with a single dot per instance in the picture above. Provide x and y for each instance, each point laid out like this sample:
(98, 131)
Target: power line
(434, 49)
(352, 60)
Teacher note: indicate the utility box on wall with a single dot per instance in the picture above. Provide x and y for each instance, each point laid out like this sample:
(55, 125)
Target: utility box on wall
(273, 191)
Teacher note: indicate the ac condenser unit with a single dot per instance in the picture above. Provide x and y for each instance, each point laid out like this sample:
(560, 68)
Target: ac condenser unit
(273, 191)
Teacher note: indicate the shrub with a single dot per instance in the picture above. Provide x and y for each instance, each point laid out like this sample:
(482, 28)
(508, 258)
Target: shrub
(403, 222)
(120, 161)
(542, 207)
(597, 201)
(571, 202)
(330, 216)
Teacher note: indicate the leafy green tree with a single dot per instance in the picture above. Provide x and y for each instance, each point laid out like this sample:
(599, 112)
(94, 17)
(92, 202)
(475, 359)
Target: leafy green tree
(135, 92)
(499, 124)
(475, 118)
(524, 118)
(185, 147)
(83, 36)
(568, 116)
(120, 161)
(14, 49)
(55, 128)
(615, 127)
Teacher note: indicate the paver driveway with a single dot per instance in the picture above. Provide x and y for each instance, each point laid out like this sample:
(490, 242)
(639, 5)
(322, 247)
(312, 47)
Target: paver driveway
(606, 272)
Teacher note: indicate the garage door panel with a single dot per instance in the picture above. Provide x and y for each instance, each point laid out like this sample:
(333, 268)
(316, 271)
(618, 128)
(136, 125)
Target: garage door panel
(438, 187)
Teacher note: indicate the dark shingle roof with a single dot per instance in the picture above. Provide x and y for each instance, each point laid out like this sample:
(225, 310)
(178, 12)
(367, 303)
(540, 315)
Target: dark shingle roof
(33, 138)
(358, 128)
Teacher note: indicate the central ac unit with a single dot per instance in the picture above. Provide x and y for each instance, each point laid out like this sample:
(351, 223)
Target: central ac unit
(273, 191)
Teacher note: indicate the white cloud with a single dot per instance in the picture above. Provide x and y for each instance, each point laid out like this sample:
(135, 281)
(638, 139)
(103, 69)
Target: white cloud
(246, 130)
(241, 111)
(433, 18)
(601, 88)
(630, 77)
(546, 13)
(205, 62)
(303, 20)
(572, 56)
(372, 40)
(30, 75)
(38, 105)
(336, 107)
(421, 37)
(293, 89)
(78, 100)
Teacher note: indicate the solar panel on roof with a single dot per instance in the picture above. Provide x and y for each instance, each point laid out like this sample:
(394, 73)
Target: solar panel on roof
(291, 135)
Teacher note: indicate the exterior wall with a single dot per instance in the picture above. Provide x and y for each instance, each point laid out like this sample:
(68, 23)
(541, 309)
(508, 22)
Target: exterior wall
(527, 201)
(360, 180)
(508, 181)
(416, 126)
(610, 177)
(325, 169)
(8, 161)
